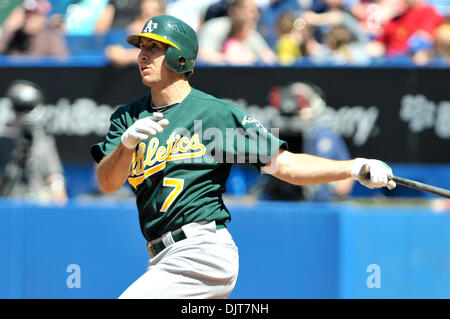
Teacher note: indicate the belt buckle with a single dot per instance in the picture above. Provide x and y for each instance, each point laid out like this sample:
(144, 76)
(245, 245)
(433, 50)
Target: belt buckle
(151, 250)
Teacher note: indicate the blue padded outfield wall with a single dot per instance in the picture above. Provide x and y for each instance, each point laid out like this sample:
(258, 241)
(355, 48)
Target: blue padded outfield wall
(287, 250)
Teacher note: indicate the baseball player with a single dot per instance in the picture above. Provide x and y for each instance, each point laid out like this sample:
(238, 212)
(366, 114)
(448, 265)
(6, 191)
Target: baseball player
(175, 147)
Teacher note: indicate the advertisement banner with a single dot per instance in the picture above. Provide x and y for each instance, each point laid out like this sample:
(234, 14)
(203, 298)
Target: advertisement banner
(395, 114)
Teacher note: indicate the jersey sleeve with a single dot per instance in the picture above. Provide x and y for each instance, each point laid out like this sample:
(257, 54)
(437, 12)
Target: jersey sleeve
(112, 140)
(247, 141)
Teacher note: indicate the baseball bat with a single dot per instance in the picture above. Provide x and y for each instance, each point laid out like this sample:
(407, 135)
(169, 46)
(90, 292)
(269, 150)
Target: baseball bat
(422, 187)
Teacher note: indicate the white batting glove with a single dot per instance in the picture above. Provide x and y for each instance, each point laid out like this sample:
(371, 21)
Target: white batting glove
(372, 173)
(142, 129)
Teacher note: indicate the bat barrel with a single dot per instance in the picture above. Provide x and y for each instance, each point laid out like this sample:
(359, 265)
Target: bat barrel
(422, 187)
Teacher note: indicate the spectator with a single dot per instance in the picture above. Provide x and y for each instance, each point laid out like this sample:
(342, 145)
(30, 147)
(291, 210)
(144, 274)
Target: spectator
(217, 9)
(413, 18)
(342, 39)
(236, 51)
(192, 12)
(320, 140)
(340, 47)
(119, 14)
(147, 9)
(333, 17)
(29, 31)
(442, 41)
(374, 14)
(421, 48)
(122, 57)
(82, 15)
(307, 101)
(293, 35)
(215, 32)
(270, 16)
(321, 6)
(58, 11)
(31, 165)
(300, 41)
(440, 205)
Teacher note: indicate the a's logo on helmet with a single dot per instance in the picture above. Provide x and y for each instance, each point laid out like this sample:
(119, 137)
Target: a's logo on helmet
(150, 26)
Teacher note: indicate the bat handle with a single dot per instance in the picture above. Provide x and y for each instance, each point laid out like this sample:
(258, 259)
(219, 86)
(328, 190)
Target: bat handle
(422, 187)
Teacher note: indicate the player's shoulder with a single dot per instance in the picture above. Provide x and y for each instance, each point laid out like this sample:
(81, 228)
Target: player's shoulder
(212, 103)
(134, 107)
(128, 113)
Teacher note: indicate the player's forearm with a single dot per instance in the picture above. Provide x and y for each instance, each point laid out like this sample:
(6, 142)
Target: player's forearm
(304, 169)
(113, 169)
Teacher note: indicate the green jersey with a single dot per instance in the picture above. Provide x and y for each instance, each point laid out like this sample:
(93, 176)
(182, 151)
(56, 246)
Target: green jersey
(179, 175)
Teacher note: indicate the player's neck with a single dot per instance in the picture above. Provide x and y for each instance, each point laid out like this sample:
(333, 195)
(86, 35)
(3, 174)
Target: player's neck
(173, 93)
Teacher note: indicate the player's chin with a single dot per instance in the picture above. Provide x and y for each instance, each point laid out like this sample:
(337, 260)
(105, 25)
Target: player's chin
(147, 80)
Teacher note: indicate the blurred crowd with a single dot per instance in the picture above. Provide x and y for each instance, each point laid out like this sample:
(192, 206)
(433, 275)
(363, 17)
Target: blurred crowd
(237, 32)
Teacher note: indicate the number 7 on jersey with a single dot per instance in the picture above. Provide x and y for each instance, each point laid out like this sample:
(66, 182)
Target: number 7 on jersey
(177, 184)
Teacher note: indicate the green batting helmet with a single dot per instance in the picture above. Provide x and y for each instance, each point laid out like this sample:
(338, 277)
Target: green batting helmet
(180, 37)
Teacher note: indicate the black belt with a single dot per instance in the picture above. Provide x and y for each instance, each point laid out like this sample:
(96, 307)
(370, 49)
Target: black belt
(156, 248)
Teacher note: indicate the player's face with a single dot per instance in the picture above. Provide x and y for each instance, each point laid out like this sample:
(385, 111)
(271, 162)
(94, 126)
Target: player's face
(152, 66)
